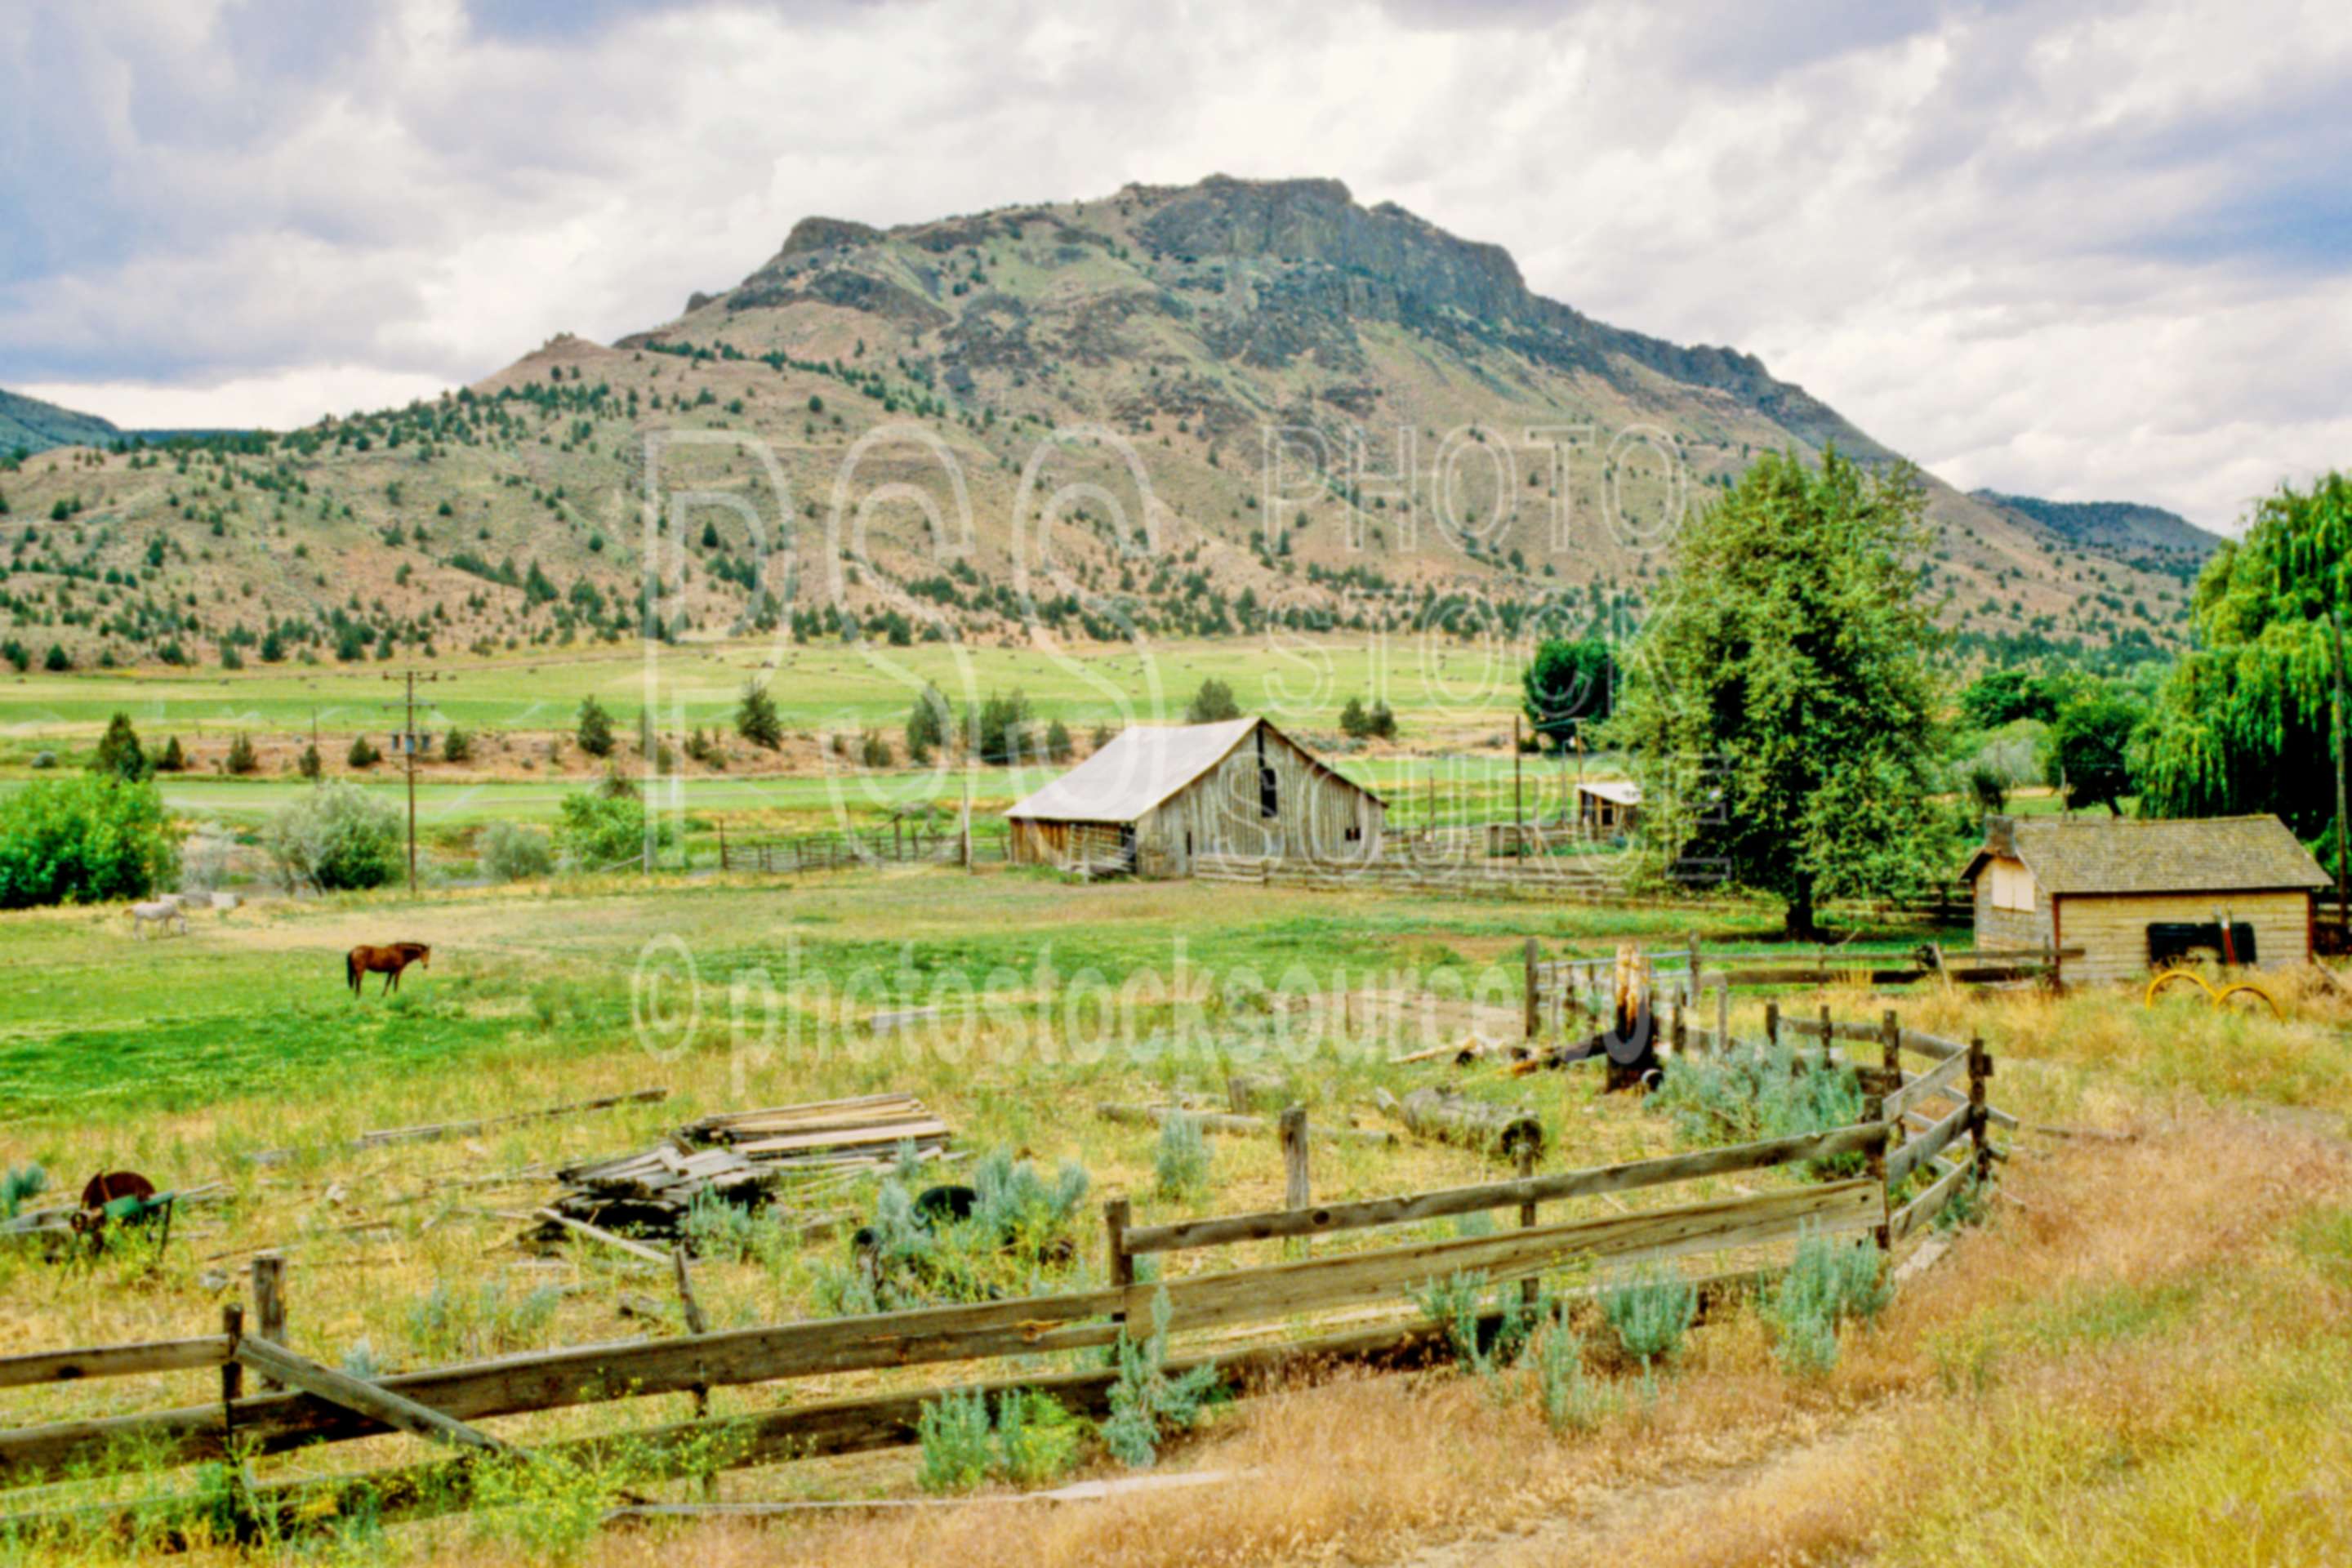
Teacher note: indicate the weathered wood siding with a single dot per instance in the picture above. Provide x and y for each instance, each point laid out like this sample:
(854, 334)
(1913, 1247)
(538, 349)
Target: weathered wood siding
(2006, 930)
(1316, 814)
(1064, 843)
(2111, 928)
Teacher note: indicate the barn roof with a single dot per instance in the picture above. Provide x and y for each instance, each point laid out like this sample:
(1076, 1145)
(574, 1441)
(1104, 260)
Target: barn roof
(1623, 792)
(2226, 854)
(1142, 766)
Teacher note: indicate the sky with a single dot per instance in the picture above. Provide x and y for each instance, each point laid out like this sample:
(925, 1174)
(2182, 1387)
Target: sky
(2085, 250)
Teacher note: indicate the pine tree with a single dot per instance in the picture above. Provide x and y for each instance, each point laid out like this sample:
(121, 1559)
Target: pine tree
(240, 758)
(118, 752)
(171, 761)
(755, 717)
(595, 731)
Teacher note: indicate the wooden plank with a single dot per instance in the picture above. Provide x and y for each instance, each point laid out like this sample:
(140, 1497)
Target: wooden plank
(282, 1365)
(1916, 1086)
(595, 1233)
(1226, 1230)
(879, 1134)
(1924, 1208)
(113, 1361)
(438, 1130)
(1927, 1146)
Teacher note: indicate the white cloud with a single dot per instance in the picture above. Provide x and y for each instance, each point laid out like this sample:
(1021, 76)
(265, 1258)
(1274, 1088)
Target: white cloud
(2080, 250)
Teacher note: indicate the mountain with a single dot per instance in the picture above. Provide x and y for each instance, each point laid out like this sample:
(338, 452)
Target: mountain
(29, 425)
(1177, 410)
(2119, 528)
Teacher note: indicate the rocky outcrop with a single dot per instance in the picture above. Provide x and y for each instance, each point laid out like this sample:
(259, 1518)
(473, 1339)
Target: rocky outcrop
(813, 233)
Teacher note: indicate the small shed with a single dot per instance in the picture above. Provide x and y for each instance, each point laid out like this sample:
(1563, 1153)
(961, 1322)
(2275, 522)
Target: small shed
(1159, 795)
(1605, 808)
(2132, 894)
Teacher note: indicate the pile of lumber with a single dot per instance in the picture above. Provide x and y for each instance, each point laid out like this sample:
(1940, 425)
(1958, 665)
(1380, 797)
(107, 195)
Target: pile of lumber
(742, 1157)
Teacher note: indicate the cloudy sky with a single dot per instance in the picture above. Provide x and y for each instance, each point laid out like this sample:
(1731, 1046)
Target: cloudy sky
(2081, 250)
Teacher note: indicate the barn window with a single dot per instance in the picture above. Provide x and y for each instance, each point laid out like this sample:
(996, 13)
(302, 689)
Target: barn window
(1269, 793)
(2012, 886)
(1354, 834)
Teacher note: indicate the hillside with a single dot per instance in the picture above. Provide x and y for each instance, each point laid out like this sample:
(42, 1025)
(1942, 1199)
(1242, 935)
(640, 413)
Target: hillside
(877, 401)
(2123, 529)
(27, 425)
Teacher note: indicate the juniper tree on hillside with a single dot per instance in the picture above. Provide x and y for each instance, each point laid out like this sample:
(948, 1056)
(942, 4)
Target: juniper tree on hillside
(1777, 705)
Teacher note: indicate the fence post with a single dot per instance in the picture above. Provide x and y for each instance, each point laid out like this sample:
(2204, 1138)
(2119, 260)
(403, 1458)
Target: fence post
(1771, 1024)
(1873, 1109)
(1528, 1287)
(1690, 985)
(1890, 1037)
(232, 1372)
(1829, 1036)
(1531, 1009)
(1723, 1016)
(1979, 1071)
(722, 844)
(1117, 1212)
(269, 1302)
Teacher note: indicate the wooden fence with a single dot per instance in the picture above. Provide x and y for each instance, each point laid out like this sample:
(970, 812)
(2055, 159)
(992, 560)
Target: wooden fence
(1555, 990)
(1559, 881)
(1898, 1137)
(900, 844)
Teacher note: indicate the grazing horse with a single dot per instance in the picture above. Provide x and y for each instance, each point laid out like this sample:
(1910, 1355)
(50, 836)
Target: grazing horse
(387, 961)
(163, 913)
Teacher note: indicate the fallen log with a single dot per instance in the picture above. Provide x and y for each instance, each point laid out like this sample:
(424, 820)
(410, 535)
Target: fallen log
(1244, 1126)
(1445, 1117)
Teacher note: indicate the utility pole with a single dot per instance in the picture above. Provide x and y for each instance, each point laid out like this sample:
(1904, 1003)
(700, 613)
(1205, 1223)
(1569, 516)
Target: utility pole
(1518, 806)
(2343, 830)
(408, 747)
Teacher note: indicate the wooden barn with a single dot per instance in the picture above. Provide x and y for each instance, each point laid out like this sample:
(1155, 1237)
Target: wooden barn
(1159, 795)
(2133, 894)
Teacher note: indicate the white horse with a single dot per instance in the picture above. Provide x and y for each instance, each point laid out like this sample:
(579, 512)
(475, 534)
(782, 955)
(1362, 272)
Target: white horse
(164, 912)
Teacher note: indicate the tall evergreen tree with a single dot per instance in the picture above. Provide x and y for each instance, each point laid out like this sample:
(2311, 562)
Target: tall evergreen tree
(118, 752)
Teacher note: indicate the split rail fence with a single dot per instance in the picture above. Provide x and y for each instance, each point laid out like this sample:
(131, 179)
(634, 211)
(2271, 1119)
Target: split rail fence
(1558, 880)
(1905, 1137)
(1554, 990)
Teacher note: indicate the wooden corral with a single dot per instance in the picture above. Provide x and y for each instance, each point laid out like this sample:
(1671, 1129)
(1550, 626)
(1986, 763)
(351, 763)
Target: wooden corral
(1159, 797)
(2124, 892)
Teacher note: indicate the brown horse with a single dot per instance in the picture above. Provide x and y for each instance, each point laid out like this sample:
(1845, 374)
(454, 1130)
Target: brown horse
(387, 961)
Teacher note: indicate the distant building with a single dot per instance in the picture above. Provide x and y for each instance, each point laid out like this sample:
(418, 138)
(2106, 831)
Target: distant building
(2133, 894)
(1606, 809)
(1157, 796)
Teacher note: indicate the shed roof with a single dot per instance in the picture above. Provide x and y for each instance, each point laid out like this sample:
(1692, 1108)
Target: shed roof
(2226, 854)
(1623, 792)
(1141, 767)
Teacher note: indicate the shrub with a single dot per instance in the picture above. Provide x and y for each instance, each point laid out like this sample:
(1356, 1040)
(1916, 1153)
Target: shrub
(451, 1325)
(1057, 742)
(44, 761)
(457, 746)
(755, 717)
(1181, 1160)
(1212, 703)
(118, 752)
(1828, 1283)
(57, 661)
(1145, 1402)
(1739, 1096)
(1457, 1303)
(1571, 1401)
(363, 752)
(1651, 1311)
(1001, 728)
(597, 830)
(927, 725)
(81, 840)
(1032, 1438)
(594, 735)
(241, 760)
(1988, 789)
(874, 750)
(20, 1181)
(20, 656)
(514, 853)
(173, 761)
(335, 838)
(309, 763)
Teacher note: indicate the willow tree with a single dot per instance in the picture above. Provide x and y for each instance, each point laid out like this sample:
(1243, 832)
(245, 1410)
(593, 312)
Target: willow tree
(2246, 723)
(1778, 704)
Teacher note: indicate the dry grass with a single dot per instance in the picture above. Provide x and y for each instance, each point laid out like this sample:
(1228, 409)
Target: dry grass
(2145, 1359)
